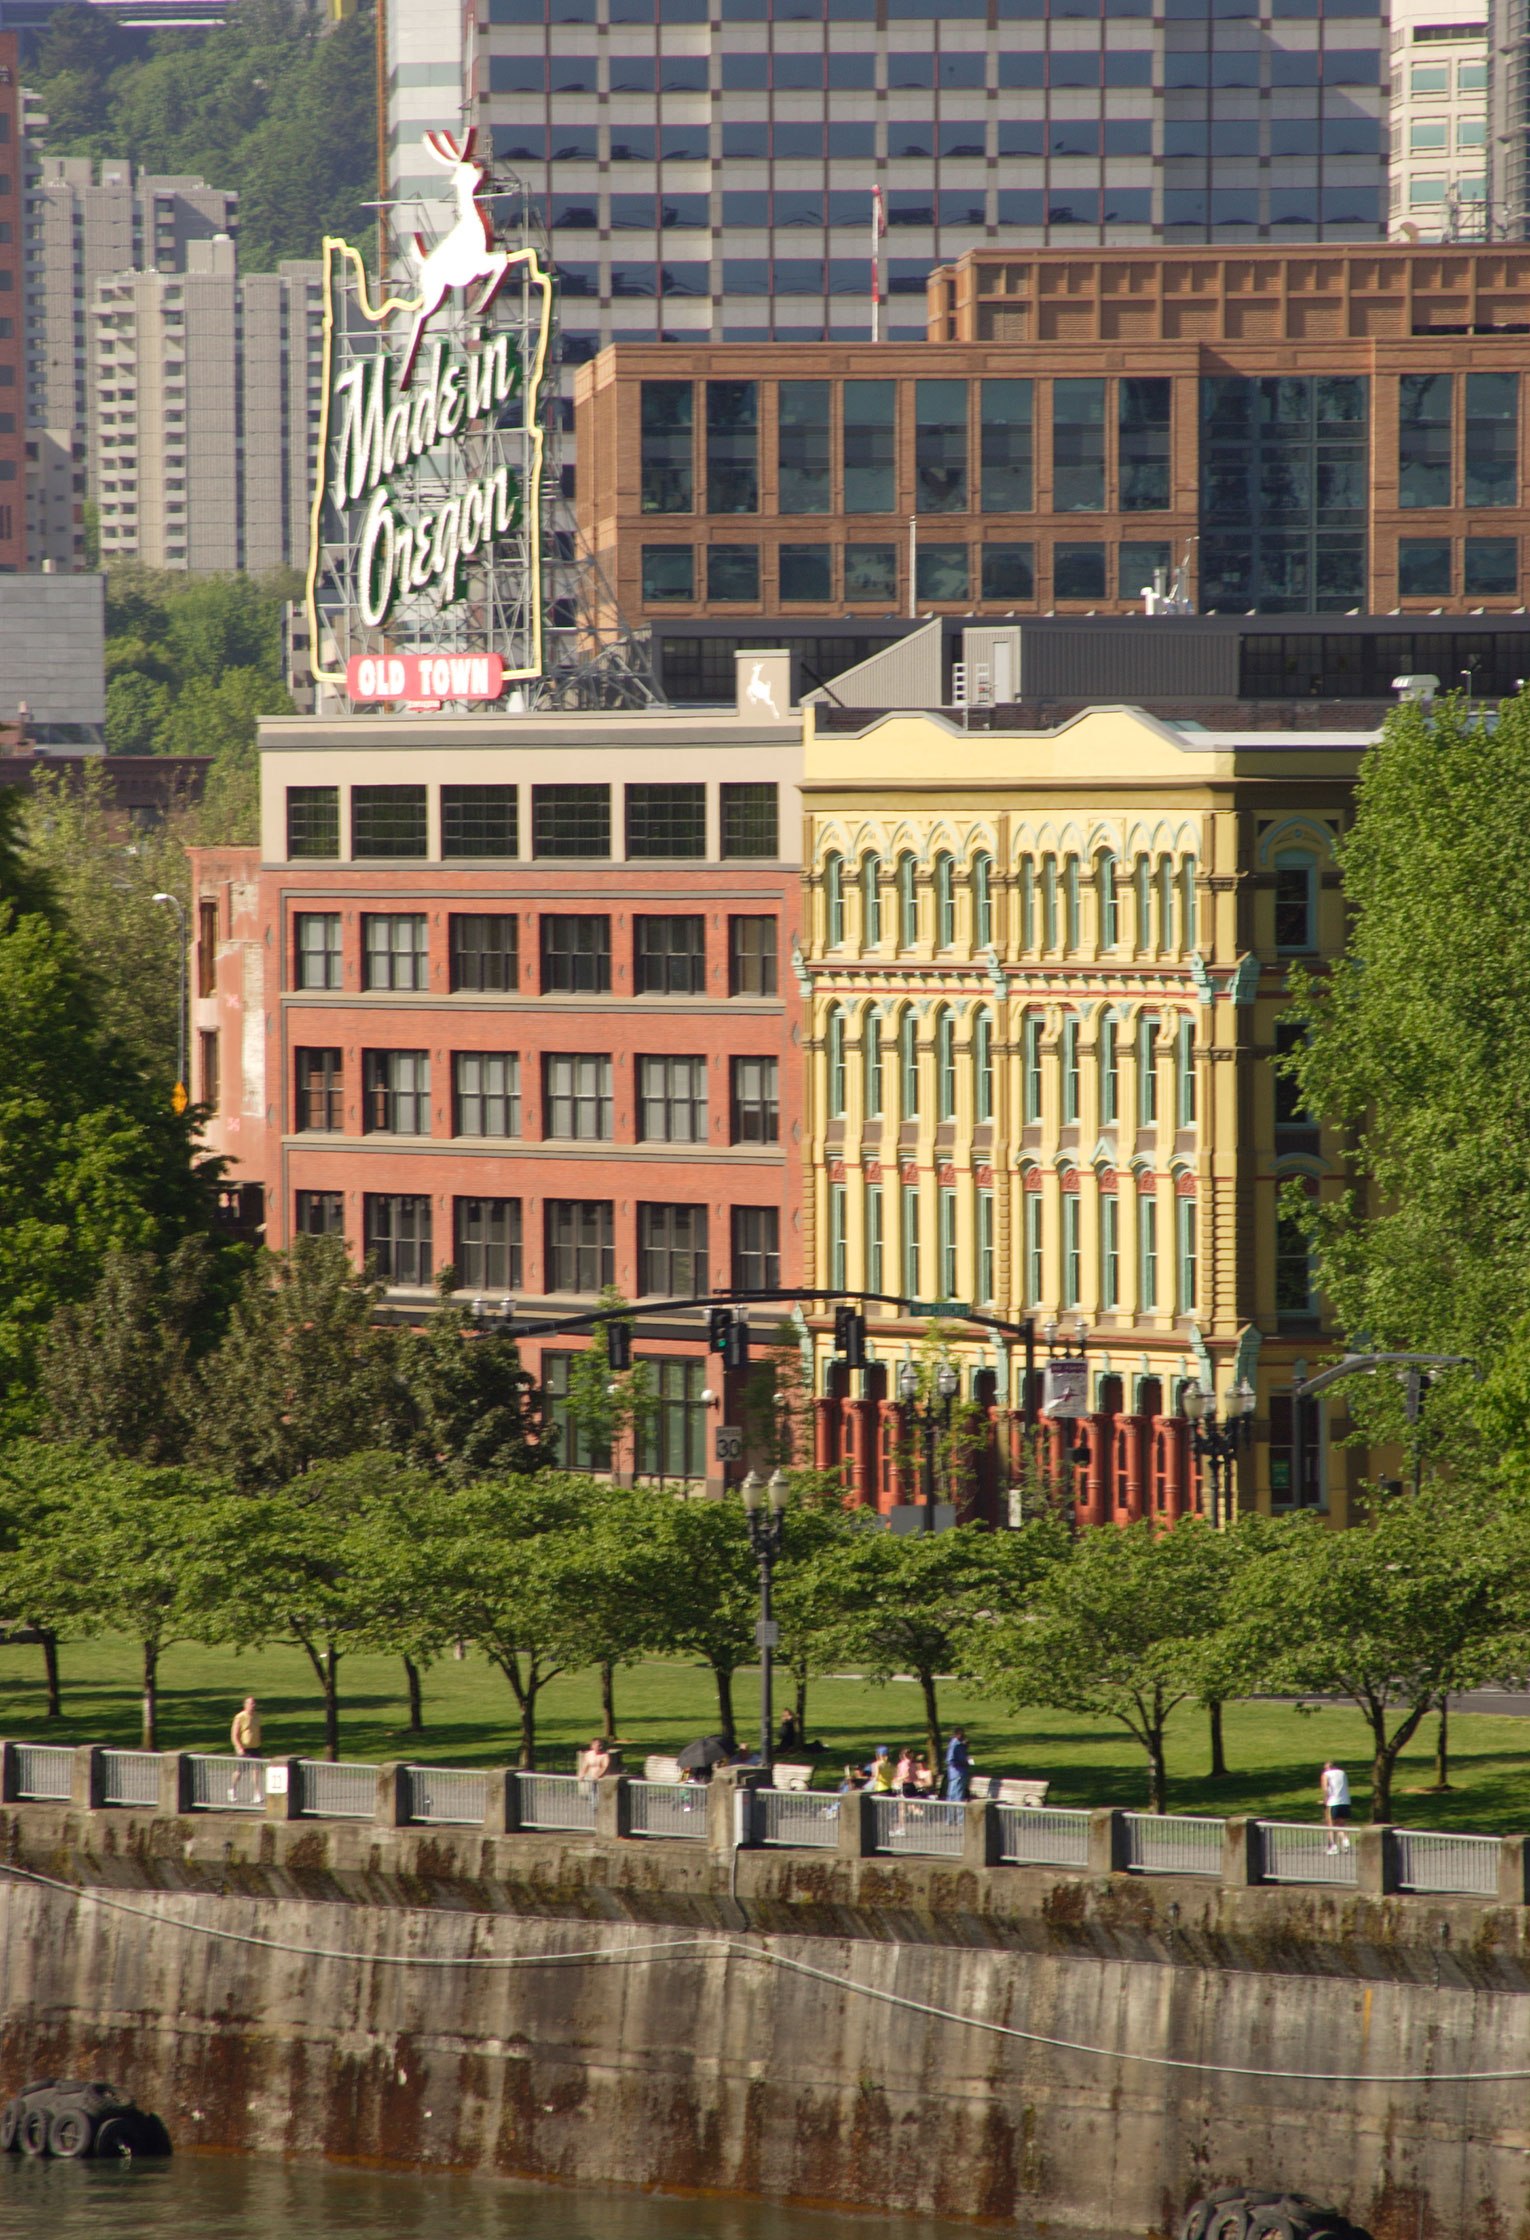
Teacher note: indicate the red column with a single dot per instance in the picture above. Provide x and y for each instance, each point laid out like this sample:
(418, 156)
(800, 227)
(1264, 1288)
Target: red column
(1134, 1458)
(1096, 1476)
(825, 1433)
(861, 1446)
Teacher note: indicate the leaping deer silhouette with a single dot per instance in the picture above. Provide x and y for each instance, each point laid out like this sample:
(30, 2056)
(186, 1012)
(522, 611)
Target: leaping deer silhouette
(464, 253)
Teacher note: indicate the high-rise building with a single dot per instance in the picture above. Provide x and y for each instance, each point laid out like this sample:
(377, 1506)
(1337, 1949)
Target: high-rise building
(84, 221)
(422, 78)
(1438, 186)
(13, 516)
(204, 435)
(715, 177)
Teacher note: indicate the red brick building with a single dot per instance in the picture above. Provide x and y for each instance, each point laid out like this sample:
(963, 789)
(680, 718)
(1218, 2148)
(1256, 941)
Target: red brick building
(13, 434)
(518, 995)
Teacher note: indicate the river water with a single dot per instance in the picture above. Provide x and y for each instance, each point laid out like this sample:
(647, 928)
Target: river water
(194, 2197)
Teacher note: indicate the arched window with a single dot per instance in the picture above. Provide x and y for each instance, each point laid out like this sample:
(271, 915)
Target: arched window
(1027, 904)
(945, 1066)
(1142, 883)
(1110, 908)
(1147, 1072)
(1048, 903)
(1186, 1255)
(1165, 905)
(1070, 891)
(871, 1054)
(1185, 1073)
(1293, 1268)
(1295, 896)
(982, 1065)
(908, 907)
(836, 1065)
(1187, 925)
(1070, 1069)
(871, 902)
(945, 902)
(908, 1066)
(1032, 1054)
(1110, 1070)
(982, 900)
(834, 901)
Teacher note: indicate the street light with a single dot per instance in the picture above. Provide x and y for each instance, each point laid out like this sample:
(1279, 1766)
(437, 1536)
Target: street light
(947, 1385)
(1219, 1443)
(179, 1099)
(765, 1515)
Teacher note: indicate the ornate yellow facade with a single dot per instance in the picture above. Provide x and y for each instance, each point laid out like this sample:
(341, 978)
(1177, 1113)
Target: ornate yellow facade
(1044, 973)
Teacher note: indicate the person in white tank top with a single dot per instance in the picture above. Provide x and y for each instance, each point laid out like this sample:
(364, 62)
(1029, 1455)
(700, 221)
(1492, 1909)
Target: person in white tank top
(1336, 1804)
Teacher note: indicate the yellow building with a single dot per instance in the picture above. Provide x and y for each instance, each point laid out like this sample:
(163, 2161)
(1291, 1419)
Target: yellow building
(1044, 973)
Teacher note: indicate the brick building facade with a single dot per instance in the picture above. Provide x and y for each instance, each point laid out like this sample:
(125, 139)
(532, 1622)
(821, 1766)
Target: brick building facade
(1318, 431)
(519, 996)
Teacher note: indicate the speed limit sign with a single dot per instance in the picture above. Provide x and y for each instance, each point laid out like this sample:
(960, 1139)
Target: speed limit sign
(730, 1443)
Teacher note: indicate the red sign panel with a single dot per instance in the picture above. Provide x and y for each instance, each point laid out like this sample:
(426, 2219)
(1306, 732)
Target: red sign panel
(425, 676)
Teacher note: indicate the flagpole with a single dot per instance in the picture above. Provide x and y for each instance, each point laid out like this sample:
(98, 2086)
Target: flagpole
(878, 228)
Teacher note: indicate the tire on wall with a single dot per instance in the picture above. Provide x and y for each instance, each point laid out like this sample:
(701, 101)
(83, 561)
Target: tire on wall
(1264, 2213)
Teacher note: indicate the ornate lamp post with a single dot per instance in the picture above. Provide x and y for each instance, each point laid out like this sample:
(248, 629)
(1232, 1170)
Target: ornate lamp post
(947, 1385)
(765, 1515)
(1219, 1443)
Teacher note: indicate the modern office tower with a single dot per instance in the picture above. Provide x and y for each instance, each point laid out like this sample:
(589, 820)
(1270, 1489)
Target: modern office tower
(1437, 186)
(204, 431)
(84, 221)
(715, 177)
(421, 71)
(13, 473)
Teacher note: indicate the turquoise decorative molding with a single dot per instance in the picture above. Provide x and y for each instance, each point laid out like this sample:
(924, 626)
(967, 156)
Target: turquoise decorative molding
(1244, 984)
(1205, 986)
(996, 973)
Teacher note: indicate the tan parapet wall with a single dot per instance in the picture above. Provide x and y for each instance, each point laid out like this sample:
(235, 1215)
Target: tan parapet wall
(1182, 975)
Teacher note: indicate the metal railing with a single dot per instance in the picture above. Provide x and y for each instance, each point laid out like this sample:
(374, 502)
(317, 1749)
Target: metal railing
(1158, 1844)
(1426, 1861)
(443, 1794)
(44, 1771)
(669, 1808)
(1291, 1852)
(796, 1816)
(337, 1792)
(919, 1824)
(228, 1785)
(1052, 1836)
(555, 1800)
(130, 1777)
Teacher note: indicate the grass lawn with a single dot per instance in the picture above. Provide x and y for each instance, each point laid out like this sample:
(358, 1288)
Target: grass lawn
(1273, 1750)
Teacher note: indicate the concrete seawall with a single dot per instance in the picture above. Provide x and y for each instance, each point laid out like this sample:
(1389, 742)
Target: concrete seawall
(245, 1979)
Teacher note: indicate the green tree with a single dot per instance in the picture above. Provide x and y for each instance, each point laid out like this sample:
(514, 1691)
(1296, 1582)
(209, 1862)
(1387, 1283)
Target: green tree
(278, 103)
(116, 1557)
(503, 1564)
(117, 1370)
(304, 1374)
(1114, 1630)
(476, 1413)
(37, 1486)
(105, 881)
(1418, 1046)
(705, 1597)
(136, 709)
(913, 1602)
(91, 1156)
(1431, 1599)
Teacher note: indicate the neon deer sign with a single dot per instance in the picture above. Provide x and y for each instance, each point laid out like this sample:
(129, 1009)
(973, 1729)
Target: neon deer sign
(464, 253)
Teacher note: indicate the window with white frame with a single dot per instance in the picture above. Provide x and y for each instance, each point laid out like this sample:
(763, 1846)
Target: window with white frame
(836, 1057)
(871, 1064)
(1147, 1072)
(1110, 1070)
(1034, 1266)
(834, 901)
(908, 1066)
(1147, 1251)
(982, 900)
(1185, 1253)
(911, 1240)
(839, 1235)
(948, 1244)
(908, 904)
(1072, 1248)
(1070, 1071)
(1032, 1066)
(945, 1066)
(871, 902)
(1185, 1073)
(874, 1251)
(1110, 1251)
(987, 1279)
(982, 1065)
(945, 902)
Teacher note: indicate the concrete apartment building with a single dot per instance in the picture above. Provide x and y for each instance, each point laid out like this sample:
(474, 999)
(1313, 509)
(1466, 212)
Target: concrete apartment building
(207, 393)
(519, 996)
(708, 171)
(1438, 185)
(13, 470)
(1309, 431)
(85, 221)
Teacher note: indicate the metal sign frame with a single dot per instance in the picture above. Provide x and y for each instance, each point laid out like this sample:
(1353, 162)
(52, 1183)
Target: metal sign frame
(491, 601)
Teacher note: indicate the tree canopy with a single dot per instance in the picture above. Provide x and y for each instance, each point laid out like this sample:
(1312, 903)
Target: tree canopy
(278, 104)
(1418, 1045)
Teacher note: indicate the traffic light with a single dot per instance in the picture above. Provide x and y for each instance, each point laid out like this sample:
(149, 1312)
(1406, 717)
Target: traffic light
(719, 1323)
(619, 1344)
(736, 1348)
(850, 1336)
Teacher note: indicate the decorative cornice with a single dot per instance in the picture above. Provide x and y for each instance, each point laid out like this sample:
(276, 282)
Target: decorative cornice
(799, 968)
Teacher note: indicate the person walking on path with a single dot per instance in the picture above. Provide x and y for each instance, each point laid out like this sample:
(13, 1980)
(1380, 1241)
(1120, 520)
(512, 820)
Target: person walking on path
(958, 1767)
(1336, 1805)
(245, 1731)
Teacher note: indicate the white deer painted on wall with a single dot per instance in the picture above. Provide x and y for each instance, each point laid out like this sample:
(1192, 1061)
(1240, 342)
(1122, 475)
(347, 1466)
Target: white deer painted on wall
(464, 253)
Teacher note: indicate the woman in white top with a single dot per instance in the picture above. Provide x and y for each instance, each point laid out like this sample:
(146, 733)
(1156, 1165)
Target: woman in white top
(1336, 1807)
